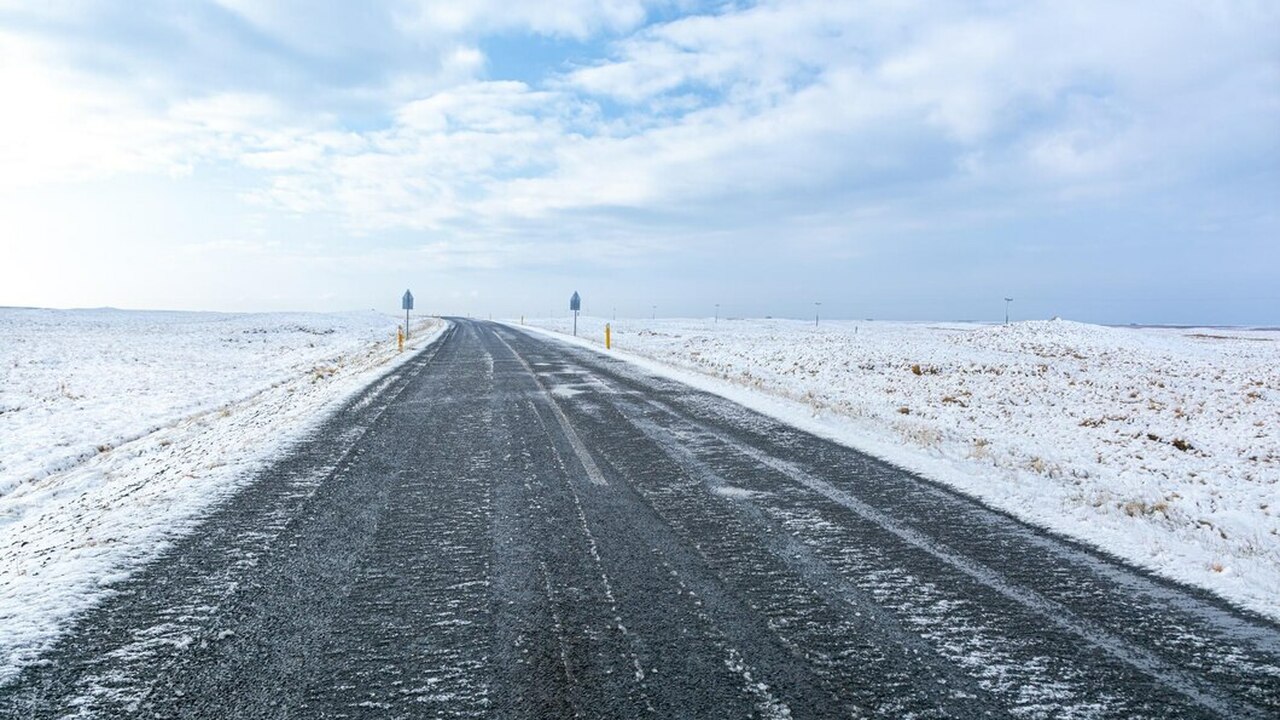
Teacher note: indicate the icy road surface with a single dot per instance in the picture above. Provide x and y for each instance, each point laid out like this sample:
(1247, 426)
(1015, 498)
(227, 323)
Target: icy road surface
(519, 528)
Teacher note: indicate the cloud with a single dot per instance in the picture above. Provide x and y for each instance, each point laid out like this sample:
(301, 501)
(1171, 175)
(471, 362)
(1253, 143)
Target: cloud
(571, 18)
(59, 126)
(1033, 80)
(845, 121)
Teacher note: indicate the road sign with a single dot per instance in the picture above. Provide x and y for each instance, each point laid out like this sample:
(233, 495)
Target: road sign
(406, 304)
(575, 302)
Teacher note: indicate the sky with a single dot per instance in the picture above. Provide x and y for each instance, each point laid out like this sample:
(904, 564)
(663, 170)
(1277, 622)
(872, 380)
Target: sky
(1099, 161)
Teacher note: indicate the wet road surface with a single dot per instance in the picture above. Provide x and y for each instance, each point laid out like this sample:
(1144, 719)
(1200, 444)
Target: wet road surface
(511, 527)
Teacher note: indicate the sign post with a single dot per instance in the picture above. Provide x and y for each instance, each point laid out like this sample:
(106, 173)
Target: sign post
(575, 304)
(406, 304)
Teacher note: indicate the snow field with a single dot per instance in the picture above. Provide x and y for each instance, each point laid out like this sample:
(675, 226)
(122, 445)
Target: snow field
(119, 429)
(77, 383)
(1161, 446)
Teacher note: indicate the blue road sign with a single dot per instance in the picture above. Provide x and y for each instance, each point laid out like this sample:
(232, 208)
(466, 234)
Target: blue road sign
(406, 302)
(575, 302)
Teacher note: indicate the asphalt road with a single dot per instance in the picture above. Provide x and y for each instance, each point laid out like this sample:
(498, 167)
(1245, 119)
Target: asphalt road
(511, 527)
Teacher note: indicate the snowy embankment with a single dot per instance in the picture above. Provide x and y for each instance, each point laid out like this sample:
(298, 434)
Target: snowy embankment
(119, 429)
(1161, 446)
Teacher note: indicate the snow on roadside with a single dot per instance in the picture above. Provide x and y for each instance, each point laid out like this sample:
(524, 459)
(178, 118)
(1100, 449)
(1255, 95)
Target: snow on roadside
(119, 429)
(1159, 445)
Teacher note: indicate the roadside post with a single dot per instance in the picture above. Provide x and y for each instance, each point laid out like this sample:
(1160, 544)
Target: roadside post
(575, 304)
(608, 337)
(400, 338)
(406, 304)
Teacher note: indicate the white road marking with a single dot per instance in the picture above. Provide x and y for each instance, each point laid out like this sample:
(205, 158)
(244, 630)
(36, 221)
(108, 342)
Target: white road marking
(579, 448)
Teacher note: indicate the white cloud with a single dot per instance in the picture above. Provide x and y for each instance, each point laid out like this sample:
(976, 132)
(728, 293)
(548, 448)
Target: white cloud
(794, 98)
(779, 107)
(238, 113)
(58, 125)
(571, 18)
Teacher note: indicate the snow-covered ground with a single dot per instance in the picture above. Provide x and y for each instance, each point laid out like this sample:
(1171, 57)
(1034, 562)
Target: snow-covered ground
(118, 429)
(1161, 446)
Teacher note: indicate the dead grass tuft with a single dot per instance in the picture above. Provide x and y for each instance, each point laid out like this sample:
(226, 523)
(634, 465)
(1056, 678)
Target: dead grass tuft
(322, 372)
(1138, 508)
(1100, 421)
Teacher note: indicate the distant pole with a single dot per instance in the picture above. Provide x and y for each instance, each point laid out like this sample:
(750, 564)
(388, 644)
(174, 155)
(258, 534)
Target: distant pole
(655, 313)
(817, 307)
(717, 320)
(1006, 310)
(615, 314)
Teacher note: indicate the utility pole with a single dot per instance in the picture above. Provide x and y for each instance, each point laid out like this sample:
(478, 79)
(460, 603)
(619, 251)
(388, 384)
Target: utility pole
(655, 313)
(1006, 310)
(717, 320)
(817, 307)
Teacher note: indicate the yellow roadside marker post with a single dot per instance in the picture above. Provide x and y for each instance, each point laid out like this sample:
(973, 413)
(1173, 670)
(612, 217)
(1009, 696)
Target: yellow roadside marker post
(608, 337)
(400, 337)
